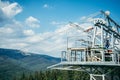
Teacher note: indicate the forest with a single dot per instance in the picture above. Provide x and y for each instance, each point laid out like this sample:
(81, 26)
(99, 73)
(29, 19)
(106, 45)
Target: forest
(53, 75)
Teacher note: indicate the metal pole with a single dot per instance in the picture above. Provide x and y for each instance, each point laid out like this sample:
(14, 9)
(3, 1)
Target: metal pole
(90, 76)
(85, 55)
(103, 77)
(67, 43)
(118, 57)
(102, 37)
(112, 41)
(62, 56)
(94, 35)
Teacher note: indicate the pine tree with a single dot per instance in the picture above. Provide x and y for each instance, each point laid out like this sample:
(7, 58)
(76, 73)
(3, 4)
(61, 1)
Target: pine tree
(36, 76)
(31, 77)
(23, 76)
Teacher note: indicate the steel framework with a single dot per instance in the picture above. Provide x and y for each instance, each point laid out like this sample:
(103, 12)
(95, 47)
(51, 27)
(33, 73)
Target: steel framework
(100, 54)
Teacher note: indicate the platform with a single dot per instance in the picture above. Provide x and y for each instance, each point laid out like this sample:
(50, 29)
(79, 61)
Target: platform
(107, 64)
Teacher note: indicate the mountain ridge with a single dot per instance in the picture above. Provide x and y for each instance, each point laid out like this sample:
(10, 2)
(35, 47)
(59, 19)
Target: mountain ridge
(14, 61)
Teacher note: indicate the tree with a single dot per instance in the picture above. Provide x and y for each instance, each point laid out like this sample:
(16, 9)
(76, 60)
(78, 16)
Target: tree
(23, 76)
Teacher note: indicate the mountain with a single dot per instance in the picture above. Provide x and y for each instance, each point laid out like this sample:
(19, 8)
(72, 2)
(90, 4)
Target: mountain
(14, 62)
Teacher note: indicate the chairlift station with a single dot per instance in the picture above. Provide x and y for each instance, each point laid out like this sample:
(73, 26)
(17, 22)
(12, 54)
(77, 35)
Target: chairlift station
(97, 53)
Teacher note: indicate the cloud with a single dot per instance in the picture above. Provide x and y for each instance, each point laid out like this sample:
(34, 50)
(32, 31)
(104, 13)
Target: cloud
(11, 10)
(2, 16)
(83, 18)
(32, 22)
(86, 19)
(8, 11)
(20, 44)
(6, 30)
(14, 34)
(3, 19)
(54, 23)
(28, 32)
(49, 43)
(45, 6)
(34, 39)
(57, 23)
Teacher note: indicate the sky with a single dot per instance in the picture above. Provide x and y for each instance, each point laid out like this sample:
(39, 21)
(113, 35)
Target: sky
(40, 26)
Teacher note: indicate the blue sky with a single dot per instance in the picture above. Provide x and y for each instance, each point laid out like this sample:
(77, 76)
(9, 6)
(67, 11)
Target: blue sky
(27, 24)
(64, 10)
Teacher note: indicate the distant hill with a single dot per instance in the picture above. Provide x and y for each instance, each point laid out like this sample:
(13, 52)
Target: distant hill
(14, 62)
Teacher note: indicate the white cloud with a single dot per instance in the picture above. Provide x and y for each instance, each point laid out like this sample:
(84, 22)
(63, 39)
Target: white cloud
(21, 45)
(11, 10)
(8, 11)
(55, 23)
(50, 43)
(3, 18)
(86, 19)
(45, 6)
(28, 32)
(3, 4)
(90, 19)
(14, 45)
(14, 34)
(83, 18)
(32, 22)
(34, 39)
(6, 30)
